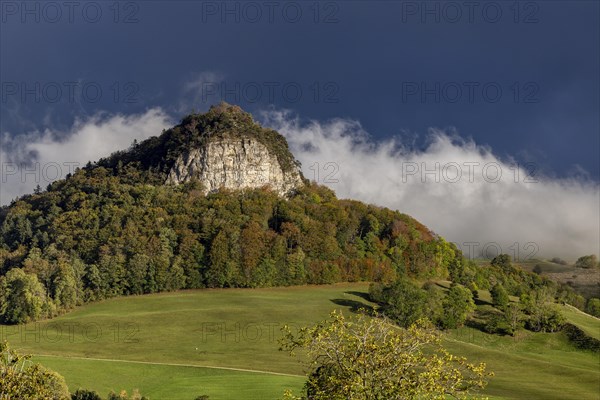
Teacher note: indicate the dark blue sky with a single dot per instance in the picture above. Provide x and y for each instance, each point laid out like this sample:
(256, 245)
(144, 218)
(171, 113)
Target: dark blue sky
(521, 77)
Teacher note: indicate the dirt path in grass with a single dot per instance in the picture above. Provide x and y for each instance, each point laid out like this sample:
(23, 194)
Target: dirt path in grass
(170, 364)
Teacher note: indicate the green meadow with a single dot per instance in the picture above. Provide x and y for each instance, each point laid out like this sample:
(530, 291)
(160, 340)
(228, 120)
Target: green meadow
(223, 343)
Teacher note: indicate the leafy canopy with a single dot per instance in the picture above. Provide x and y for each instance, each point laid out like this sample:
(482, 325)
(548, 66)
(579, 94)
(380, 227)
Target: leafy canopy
(22, 379)
(370, 358)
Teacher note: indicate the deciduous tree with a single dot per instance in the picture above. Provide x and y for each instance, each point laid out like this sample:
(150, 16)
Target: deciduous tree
(22, 297)
(457, 304)
(370, 359)
(22, 379)
(499, 296)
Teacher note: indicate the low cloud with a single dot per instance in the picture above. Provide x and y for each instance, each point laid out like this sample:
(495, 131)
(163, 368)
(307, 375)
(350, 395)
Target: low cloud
(41, 157)
(458, 188)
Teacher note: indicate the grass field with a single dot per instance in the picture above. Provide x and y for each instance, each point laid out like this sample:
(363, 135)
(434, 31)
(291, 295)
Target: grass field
(545, 266)
(184, 344)
(169, 381)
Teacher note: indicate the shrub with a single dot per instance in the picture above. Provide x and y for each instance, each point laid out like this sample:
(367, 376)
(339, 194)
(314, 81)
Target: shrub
(593, 307)
(502, 261)
(557, 260)
(82, 394)
(590, 261)
(472, 286)
(547, 319)
(580, 339)
(123, 396)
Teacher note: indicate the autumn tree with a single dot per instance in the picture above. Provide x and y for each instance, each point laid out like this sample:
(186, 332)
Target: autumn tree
(252, 249)
(370, 358)
(295, 272)
(223, 271)
(22, 379)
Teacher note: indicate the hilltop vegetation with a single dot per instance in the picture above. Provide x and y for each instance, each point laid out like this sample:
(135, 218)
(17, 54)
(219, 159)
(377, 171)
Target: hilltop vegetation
(156, 155)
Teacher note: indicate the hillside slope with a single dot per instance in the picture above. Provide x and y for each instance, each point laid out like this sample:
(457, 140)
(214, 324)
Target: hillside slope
(238, 328)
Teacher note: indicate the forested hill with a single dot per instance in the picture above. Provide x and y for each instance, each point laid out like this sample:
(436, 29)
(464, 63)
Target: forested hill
(116, 228)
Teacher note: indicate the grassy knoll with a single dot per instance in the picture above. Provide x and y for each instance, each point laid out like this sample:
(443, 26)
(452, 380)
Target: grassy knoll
(587, 323)
(238, 328)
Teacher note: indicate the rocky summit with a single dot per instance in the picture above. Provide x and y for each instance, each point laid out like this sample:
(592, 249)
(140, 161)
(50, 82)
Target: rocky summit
(234, 163)
(222, 148)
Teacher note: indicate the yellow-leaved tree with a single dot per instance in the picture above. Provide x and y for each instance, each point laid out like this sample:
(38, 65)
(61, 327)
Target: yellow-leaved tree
(22, 379)
(368, 358)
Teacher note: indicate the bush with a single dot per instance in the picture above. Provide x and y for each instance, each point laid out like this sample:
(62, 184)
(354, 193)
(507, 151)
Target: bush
(495, 324)
(123, 396)
(593, 307)
(581, 339)
(82, 394)
(547, 319)
(472, 286)
(590, 261)
(502, 261)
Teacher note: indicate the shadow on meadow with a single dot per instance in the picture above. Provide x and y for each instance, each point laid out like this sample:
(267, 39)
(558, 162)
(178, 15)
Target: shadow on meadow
(355, 305)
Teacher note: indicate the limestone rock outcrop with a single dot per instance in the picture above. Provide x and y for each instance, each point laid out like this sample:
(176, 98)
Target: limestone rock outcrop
(234, 163)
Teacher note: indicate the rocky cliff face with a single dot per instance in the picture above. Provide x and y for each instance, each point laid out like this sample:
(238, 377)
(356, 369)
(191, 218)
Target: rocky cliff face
(234, 163)
(222, 148)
